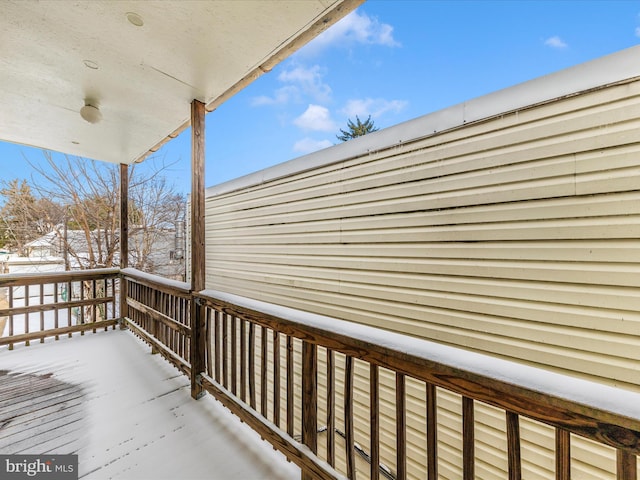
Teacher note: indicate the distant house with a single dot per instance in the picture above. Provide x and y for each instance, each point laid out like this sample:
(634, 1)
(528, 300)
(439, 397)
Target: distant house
(42, 247)
(166, 256)
(162, 253)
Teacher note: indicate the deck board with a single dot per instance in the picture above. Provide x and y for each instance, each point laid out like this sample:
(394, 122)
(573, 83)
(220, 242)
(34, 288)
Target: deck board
(127, 414)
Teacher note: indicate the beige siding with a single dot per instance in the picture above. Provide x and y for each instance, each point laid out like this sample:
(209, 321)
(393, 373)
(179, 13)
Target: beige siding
(514, 236)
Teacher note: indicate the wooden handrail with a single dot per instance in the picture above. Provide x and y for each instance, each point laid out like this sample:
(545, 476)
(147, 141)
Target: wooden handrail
(604, 414)
(22, 279)
(240, 332)
(159, 312)
(173, 287)
(97, 294)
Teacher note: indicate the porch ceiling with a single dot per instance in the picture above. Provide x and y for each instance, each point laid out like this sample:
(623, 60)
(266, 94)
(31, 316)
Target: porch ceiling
(55, 55)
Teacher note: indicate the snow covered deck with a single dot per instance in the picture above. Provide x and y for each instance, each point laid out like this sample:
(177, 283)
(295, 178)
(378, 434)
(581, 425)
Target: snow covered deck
(127, 414)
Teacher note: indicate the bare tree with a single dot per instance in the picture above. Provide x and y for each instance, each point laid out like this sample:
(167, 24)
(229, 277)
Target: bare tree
(77, 199)
(87, 191)
(155, 210)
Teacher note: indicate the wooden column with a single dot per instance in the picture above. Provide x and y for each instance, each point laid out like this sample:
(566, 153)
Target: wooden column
(197, 245)
(124, 235)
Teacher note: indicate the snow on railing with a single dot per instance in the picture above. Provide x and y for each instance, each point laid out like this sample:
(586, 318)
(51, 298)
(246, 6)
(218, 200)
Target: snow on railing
(158, 310)
(37, 306)
(279, 370)
(297, 378)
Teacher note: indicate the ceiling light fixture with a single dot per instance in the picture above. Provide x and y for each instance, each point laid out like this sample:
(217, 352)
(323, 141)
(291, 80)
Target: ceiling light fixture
(91, 113)
(135, 19)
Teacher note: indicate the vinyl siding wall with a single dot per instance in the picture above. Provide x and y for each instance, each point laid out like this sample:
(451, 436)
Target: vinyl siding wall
(514, 235)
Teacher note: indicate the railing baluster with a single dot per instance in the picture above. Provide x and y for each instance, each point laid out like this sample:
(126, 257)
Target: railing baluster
(468, 439)
(563, 454)
(331, 408)
(276, 378)
(169, 333)
(56, 315)
(348, 418)
(309, 399)
(209, 330)
(401, 427)
(225, 353)
(183, 312)
(263, 371)
(243, 360)
(94, 312)
(179, 336)
(113, 302)
(162, 328)
(81, 308)
(177, 309)
(176, 337)
(626, 465)
(11, 316)
(26, 315)
(153, 303)
(432, 432)
(513, 446)
(252, 365)
(374, 416)
(218, 345)
(69, 298)
(234, 355)
(158, 307)
(41, 313)
(105, 306)
(290, 393)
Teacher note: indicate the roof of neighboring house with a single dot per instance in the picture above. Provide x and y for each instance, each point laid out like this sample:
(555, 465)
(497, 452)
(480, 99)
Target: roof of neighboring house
(159, 259)
(44, 241)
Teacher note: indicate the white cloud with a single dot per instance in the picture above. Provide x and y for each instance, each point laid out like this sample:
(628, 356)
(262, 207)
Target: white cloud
(555, 42)
(308, 145)
(310, 80)
(637, 31)
(316, 118)
(299, 81)
(280, 97)
(355, 28)
(376, 107)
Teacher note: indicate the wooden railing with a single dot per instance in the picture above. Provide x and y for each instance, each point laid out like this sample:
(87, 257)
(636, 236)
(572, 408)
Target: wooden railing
(37, 306)
(158, 311)
(315, 387)
(278, 370)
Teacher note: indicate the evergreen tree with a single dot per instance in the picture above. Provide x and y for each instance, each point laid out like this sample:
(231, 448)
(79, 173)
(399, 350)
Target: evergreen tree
(357, 129)
(23, 217)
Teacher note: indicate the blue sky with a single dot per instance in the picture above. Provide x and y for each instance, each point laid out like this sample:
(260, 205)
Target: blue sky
(394, 60)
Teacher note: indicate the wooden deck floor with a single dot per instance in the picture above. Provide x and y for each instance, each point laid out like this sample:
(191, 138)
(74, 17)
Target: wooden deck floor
(127, 414)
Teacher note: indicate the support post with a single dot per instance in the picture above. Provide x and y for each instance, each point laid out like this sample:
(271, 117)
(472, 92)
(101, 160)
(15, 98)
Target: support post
(124, 236)
(198, 346)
